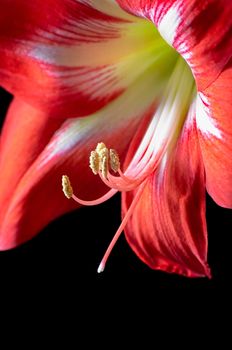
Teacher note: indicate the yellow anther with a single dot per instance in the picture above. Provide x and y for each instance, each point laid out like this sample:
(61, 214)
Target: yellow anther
(67, 188)
(103, 154)
(104, 166)
(94, 162)
(114, 160)
(100, 147)
(99, 159)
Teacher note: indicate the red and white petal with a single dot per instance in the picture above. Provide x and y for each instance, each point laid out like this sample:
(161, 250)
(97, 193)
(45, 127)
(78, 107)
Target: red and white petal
(214, 121)
(64, 61)
(199, 30)
(31, 170)
(25, 134)
(167, 229)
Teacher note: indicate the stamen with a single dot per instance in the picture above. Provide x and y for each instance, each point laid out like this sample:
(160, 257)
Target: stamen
(114, 160)
(103, 153)
(94, 162)
(99, 159)
(67, 188)
(100, 146)
(68, 192)
(104, 166)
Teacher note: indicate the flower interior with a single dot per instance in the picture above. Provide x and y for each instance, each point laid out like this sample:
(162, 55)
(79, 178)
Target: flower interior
(156, 64)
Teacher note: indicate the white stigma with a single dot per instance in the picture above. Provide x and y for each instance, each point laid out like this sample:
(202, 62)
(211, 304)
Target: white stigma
(101, 268)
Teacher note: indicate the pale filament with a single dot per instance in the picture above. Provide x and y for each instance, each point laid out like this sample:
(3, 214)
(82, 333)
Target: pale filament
(97, 201)
(68, 192)
(121, 228)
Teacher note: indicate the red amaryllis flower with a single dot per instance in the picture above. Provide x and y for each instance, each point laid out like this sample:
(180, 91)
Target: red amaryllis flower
(151, 79)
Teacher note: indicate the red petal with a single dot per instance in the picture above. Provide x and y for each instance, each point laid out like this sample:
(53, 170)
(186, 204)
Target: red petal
(63, 61)
(33, 161)
(214, 120)
(168, 228)
(201, 31)
(25, 134)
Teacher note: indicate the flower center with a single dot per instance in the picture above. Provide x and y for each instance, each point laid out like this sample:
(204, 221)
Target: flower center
(174, 94)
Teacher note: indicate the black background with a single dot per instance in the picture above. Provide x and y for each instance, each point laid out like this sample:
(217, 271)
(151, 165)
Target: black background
(67, 252)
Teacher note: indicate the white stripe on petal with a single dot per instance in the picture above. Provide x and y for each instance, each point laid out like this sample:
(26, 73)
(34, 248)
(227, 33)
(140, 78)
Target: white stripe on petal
(127, 109)
(206, 124)
(162, 168)
(169, 24)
